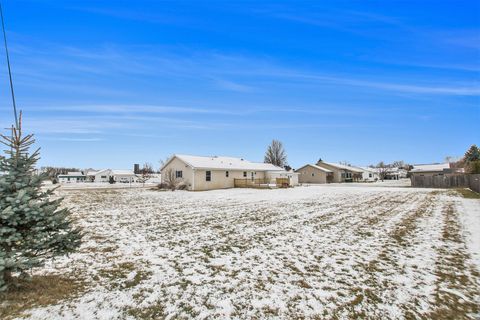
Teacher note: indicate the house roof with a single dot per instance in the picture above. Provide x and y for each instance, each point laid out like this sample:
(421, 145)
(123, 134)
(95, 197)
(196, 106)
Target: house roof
(342, 166)
(93, 172)
(73, 173)
(118, 172)
(223, 163)
(435, 167)
(316, 167)
(368, 169)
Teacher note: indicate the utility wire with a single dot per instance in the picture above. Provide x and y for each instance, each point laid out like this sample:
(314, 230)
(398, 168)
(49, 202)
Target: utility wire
(9, 69)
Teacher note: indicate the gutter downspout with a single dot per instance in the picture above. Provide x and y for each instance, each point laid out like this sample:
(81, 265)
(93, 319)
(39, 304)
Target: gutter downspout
(193, 180)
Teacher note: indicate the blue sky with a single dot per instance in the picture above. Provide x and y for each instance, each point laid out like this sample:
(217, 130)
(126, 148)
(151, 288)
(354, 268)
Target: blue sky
(112, 83)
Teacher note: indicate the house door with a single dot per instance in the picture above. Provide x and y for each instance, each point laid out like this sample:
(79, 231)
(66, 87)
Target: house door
(253, 176)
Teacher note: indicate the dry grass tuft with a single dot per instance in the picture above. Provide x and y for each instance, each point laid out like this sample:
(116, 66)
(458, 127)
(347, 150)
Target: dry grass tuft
(154, 311)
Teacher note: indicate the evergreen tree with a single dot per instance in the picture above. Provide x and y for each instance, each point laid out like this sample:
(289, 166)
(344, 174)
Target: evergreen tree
(472, 154)
(33, 227)
(472, 160)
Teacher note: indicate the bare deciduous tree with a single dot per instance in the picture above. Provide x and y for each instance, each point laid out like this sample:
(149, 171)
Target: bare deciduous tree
(53, 172)
(163, 162)
(383, 170)
(276, 154)
(145, 173)
(170, 180)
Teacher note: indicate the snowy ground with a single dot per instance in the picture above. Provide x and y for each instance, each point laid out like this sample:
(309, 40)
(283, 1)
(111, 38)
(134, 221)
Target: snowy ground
(316, 252)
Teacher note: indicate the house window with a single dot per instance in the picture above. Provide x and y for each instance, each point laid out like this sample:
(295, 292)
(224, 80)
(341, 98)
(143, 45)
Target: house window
(208, 175)
(104, 177)
(244, 174)
(343, 175)
(226, 174)
(369, 175)
(313, 174)
(251, 174)
(179, 174)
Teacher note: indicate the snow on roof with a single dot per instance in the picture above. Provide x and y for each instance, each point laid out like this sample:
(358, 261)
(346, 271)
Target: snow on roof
(115, 172)
(430, 167)
(225, 163)
(94, 172)
(316, 167)
(118, 172)
(342, 166)
(368, 169)
(74, 173)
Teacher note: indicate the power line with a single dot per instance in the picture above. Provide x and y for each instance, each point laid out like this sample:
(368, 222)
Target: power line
(9, 69)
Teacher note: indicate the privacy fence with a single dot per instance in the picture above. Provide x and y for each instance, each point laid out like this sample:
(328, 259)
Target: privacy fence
(453, 180)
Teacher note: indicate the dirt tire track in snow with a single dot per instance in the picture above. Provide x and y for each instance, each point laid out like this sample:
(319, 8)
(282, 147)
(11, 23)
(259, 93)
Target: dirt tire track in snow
(378, 296)
(457, 292)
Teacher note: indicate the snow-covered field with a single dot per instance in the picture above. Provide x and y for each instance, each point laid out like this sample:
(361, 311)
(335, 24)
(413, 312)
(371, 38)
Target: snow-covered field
(316, 252)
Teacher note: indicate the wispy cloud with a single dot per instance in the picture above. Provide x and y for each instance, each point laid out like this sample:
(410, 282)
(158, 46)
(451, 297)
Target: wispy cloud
(73, 139)
(93, 71)
(142, 14)
(233, 86)
(140, 109)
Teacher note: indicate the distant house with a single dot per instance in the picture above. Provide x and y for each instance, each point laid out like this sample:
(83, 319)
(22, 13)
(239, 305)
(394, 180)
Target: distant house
(207, 173)
(342, 172)
(442, 175)
(369, 174)
(311, 173)
(431, 169)
(395, 174)
(99, 175)
(121, 176)
(72, 177)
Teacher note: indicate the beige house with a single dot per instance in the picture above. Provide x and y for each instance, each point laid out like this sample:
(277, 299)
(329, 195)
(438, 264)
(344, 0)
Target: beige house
(208, 173)
(311, 173)
(341, 172)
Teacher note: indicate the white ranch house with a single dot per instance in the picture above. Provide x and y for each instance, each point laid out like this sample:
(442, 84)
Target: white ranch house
(122, 176)
(369, 174)
(72, 177)
(207, 173)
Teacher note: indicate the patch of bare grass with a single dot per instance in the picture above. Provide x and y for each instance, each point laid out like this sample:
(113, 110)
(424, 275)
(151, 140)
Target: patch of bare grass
(118, 276)
(469, 194)
(38, 291)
